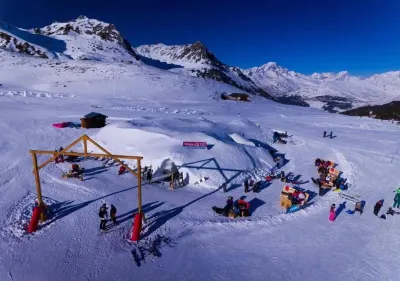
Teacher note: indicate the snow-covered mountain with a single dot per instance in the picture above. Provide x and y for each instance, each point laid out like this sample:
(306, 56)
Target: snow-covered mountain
(197, 60)
(331, 91)
(82, 39)
(91, 39)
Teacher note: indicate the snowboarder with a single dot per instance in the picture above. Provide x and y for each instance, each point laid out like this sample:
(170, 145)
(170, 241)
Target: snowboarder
(396, 203)
(103, 216)
(113, 214)
(378, 207)
(227, 209)
(122, 170)
(246, 185)
(324, 134)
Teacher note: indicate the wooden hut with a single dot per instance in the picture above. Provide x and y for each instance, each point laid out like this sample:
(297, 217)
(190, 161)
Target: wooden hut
(235, 96)
(93, 120)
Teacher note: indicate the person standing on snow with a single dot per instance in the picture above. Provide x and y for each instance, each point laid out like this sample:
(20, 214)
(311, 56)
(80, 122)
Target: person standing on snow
(246, 185)
(324, 134)
(103, 216)
(378, 207)
(113, 214)
(397, 200)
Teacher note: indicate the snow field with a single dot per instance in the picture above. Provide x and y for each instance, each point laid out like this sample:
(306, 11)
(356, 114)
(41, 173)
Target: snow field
(269, 245)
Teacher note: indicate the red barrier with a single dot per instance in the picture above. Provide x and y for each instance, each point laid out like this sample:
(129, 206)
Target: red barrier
(137, 227)
(34, 220)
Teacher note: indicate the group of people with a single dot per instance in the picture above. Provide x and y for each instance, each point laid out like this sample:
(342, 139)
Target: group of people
(325, 177)
(297, 197)
(390, 211)
(103, 214)
(233, 209)
(330, 135)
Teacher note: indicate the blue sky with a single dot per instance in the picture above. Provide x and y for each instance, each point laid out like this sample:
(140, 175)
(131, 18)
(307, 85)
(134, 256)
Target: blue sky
(361, 36)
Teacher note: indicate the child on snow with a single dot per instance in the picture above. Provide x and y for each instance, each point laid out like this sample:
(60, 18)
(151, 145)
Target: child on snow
(103, 216)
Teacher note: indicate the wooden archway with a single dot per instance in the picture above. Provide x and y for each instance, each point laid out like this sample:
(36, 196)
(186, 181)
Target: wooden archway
(106, 154)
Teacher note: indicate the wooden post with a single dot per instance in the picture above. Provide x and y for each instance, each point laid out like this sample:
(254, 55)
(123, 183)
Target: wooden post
(85, 145)
(139, 180)
(37, 179)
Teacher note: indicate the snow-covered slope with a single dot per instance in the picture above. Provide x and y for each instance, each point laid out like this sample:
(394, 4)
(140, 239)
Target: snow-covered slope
(331, 91)
(80, 39)
(151, 112)
(197, 60)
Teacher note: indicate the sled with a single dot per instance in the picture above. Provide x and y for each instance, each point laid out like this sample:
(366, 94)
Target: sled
(69, 175)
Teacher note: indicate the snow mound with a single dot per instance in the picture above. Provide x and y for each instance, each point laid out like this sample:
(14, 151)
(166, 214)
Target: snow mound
(162, 147)
(241, 140)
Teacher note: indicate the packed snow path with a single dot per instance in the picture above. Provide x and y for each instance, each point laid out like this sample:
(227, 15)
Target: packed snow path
(269, 245)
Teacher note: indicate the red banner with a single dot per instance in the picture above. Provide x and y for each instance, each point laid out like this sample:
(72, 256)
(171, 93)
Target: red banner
(195, 144)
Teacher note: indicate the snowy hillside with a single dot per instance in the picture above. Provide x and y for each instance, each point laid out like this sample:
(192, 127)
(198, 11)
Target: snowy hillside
(331, 91)
(80, 39)
(197, 60)
(151, 112)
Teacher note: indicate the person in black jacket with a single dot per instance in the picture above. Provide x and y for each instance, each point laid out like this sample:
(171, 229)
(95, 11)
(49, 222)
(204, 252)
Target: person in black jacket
(246, 185)
(378, 207)
(113, 214)
(103, 216)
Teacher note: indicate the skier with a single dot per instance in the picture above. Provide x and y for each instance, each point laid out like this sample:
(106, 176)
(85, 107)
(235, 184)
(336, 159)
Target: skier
(122, 170)
(113, 213)
(317, 162)
(246, 185)
(324, 134)
(396, 200)
(331, 135)
(103, 216)
(333, 208)
(378, 207)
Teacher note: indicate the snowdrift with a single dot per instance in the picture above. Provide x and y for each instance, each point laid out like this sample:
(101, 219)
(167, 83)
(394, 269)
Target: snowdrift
(163, 148)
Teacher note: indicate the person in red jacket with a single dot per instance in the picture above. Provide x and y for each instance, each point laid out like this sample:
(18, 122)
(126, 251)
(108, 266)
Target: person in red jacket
(122, 170)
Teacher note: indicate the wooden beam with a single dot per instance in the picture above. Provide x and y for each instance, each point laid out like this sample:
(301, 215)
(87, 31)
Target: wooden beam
(83, 154)
(139, 179)
(37, 178)
(56, 155)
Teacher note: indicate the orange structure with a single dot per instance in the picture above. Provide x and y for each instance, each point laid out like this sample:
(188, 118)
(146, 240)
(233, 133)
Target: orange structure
(106, 154)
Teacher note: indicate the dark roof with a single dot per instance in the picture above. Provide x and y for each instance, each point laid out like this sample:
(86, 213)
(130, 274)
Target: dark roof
(95, 115)
(239, 95)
